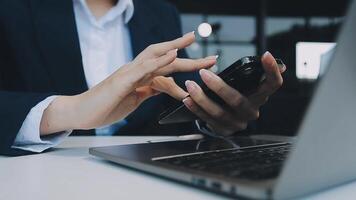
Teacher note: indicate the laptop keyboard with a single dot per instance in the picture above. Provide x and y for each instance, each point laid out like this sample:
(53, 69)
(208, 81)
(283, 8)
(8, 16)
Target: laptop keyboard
(249, 163)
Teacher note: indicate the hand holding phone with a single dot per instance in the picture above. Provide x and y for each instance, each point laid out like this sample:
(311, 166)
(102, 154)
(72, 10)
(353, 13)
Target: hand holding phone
(245, 75)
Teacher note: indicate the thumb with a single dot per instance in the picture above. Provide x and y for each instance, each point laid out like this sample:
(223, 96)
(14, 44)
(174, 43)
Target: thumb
(168, 86)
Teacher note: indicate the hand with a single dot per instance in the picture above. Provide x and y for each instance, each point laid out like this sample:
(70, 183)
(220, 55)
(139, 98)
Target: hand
(239, 109)
(122, 92)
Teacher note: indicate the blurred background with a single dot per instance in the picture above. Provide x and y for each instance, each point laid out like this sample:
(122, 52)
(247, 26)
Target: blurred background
(301, 33)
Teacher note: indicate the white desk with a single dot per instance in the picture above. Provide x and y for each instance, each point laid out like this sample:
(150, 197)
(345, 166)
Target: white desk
(69, 172)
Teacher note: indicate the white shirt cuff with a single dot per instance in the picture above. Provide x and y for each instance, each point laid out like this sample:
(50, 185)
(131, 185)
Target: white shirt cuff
(28, 137)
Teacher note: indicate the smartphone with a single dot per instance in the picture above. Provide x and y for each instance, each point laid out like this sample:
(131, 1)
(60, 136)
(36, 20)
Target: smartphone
(245, 75)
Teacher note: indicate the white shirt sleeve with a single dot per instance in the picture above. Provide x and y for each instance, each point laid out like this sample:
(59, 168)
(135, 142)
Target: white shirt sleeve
(28, 137)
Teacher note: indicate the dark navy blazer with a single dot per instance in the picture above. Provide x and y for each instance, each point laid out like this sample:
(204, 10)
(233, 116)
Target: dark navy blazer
(40, 56)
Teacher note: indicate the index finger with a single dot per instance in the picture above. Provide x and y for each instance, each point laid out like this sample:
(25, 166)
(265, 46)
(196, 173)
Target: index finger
(186, 65)
(156, 50)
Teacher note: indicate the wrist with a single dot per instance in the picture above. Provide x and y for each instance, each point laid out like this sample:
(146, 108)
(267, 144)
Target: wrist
(60, 115)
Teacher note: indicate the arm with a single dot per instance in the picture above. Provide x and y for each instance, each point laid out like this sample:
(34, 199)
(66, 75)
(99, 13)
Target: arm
(123, 91)
(29, 137)
(111, 100)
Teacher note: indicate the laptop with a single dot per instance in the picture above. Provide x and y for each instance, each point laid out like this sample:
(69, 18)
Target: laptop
(323, 155)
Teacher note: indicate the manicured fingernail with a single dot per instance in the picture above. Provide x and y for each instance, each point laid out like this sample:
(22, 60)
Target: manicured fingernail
(190, 86)
(176, 49)
(268, 59)
(267, 53)
(281, 66)
(187, 102)
(212, 57)
(190, 33)
(205, 74)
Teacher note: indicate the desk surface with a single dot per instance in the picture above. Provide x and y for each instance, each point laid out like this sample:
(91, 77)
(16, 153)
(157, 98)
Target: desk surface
(69, 172)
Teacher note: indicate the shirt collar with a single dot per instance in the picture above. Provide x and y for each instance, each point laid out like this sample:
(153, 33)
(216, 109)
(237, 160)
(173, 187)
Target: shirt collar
(123, 7)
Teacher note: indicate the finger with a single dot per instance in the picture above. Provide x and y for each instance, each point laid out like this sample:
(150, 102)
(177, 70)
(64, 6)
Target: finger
(258, 99)
(274, 78)
(197, 94)
(234, 99)
(272, 83)
(159, 49)
(142, 74)
(144, 93)
(215, 125)
(192, 106)
(282, 68)
(168, 86)
(185, 65)
(154, 64)
(215, 111)
(201, 114)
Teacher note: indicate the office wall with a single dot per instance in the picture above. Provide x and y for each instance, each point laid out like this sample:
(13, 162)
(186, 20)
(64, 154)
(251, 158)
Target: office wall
(237, 34)
(235, 39)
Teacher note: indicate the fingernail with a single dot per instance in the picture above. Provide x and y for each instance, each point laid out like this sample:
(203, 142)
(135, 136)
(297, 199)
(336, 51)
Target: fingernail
(267, 53)
(187, 102)
(212, 57)
(268, 59)
(192, 32)
(282, 67)
(176, 49)
(280, 64)
(190, 86)
(205, 74)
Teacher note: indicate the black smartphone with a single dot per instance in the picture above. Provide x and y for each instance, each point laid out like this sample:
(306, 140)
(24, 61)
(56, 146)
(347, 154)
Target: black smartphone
(245, 75)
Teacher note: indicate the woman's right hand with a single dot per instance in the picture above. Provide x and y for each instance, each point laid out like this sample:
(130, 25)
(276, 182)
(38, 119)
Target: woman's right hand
(122, 92)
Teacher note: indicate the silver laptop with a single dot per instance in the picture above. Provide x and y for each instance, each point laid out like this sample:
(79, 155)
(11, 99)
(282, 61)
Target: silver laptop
(324, 154)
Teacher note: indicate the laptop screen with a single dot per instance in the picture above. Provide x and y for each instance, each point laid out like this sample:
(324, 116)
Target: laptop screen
(311, 58)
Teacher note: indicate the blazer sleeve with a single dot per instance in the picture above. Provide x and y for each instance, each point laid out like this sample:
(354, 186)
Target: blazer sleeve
(15, 104)
(14, 107)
